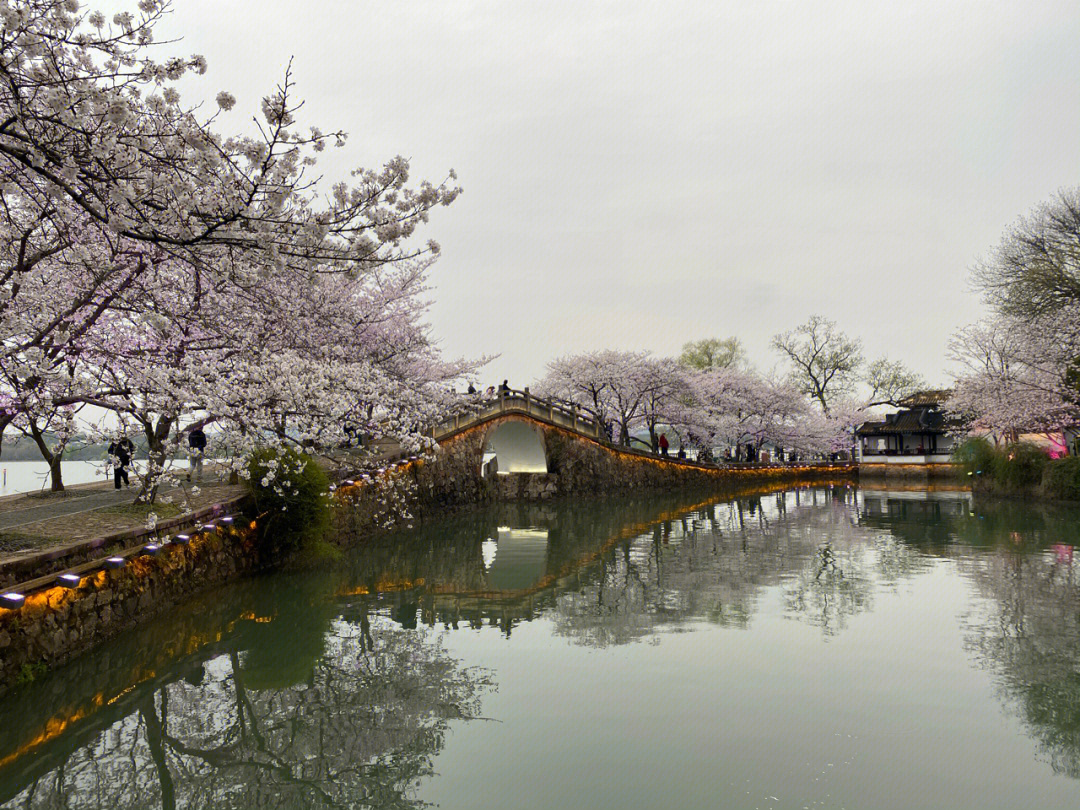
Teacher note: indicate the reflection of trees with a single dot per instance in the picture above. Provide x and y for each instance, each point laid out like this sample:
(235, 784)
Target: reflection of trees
(617, 572)
(357, 730)
(1020, 557)
(713, 564)
(1029, 632)
(292, 691)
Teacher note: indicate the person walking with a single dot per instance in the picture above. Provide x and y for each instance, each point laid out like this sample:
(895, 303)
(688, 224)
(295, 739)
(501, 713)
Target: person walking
(120, 452)
(197, 448)
(663, 444)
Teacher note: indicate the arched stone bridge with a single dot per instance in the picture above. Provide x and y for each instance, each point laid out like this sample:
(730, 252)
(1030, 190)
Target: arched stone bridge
(519, 446)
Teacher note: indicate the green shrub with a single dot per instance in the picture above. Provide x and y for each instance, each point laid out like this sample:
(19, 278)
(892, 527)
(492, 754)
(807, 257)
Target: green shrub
(29, 673)
(291, 495)
(975, 457)
(1019, 465)
(1008, 468)
(1061, 478)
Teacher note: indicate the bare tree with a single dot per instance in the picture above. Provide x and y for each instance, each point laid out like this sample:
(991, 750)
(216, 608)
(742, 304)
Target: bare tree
(824, 361)
(1036, 269)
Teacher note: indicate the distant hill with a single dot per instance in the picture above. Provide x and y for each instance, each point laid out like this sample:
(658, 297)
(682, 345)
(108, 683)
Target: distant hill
(80, 448)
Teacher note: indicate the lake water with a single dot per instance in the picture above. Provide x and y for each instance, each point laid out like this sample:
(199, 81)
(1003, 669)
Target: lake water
(814, 648)
(33, 476)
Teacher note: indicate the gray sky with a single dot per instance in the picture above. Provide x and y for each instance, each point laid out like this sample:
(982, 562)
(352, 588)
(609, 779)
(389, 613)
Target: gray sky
(638, 175)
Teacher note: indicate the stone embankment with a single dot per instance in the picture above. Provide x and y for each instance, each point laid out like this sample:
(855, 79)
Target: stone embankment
(59, 620)
(896, 470)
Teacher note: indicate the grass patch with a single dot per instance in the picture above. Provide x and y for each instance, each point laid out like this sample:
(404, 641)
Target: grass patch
(17, 541)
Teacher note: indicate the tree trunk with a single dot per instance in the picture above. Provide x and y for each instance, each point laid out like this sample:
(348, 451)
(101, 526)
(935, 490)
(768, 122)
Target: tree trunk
(155, 735)
(53, 459)
(156, 436)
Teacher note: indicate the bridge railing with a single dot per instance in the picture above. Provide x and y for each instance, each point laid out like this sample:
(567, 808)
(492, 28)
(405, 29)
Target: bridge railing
(512, 400)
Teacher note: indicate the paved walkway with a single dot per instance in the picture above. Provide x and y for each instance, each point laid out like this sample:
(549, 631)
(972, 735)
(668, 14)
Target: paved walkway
(69, 503)
(33, 523)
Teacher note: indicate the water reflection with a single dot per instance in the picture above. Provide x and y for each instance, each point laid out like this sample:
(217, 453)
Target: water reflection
(290, 703)
(335, 688)
(1028, 627)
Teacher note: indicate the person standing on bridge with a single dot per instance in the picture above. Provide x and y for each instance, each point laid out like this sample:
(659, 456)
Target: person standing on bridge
(504, 388)
(663, 444)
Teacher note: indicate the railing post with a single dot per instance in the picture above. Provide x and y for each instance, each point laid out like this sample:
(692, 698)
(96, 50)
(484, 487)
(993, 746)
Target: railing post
(528, 401)
(502, 399)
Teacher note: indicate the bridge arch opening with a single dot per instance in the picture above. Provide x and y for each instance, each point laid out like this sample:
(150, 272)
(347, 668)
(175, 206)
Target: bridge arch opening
(513, 447)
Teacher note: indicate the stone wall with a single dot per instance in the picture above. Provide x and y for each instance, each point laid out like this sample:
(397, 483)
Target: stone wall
(57, 623)
(909, 472)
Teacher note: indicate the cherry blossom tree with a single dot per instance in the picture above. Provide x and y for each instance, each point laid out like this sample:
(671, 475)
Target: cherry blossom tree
(624, 390)
(1017, 374)
(734, 407)
(50, 300)
(1021, 367)
(87, 115)
(666, 392)
(156, 269)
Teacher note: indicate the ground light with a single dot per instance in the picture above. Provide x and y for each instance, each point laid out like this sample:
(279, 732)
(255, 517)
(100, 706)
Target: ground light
(12, 600)
(151, 549)
(115, 562)
(68, 580)
(181, 539)
(227, 520)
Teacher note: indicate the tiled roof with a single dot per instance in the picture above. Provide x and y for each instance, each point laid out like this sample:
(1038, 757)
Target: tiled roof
(919, 420)
(931, 396)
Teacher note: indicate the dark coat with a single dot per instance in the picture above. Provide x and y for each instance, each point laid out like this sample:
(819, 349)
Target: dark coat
(123, 450)
(197, 439)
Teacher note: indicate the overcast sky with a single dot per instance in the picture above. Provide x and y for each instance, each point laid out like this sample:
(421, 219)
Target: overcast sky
(638, 175)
